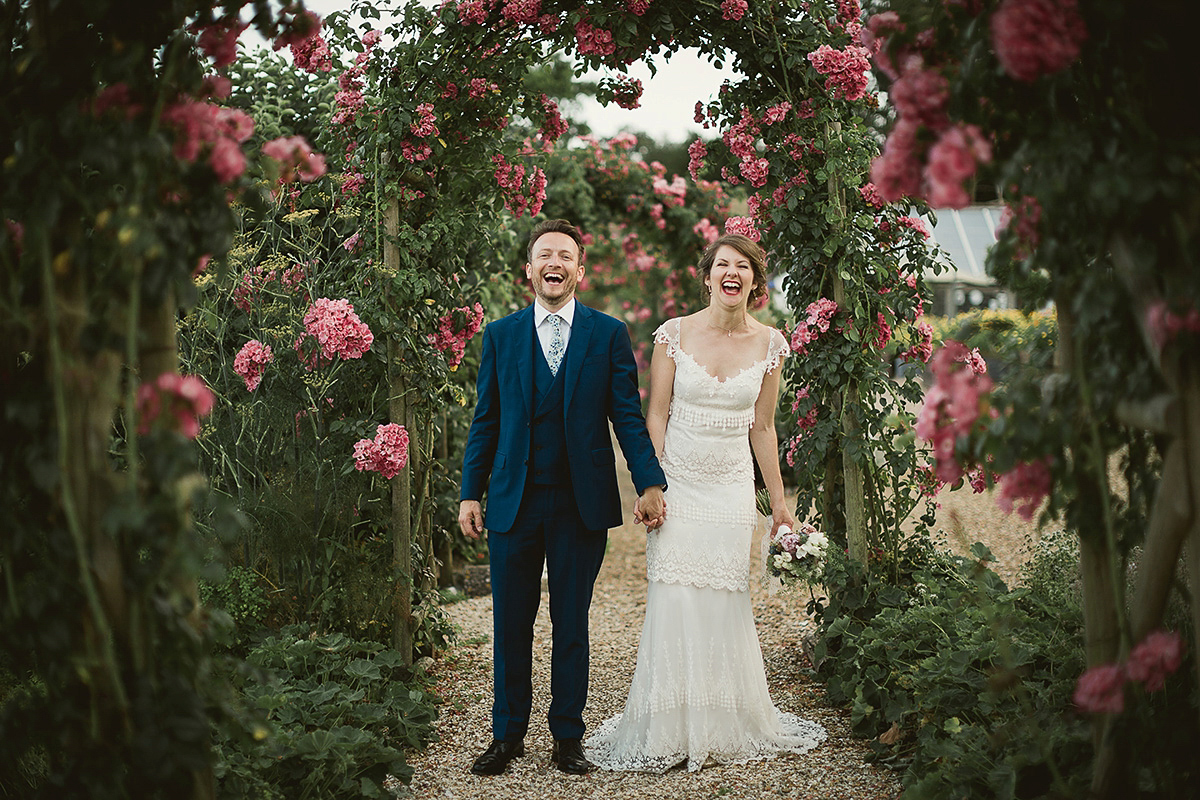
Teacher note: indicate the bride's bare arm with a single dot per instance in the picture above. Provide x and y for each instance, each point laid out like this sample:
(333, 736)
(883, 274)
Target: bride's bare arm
(662, 386)
(662, 382)
(765, 444)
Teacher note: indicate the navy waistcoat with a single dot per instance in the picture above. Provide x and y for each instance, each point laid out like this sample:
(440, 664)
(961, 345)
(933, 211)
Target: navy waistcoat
(548, 446)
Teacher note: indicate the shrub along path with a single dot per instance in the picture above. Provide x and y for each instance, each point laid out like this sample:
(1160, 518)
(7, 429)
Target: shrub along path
(836, 769)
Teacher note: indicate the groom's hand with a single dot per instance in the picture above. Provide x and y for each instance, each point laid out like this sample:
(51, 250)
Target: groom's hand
(650, 509)
(470, 518)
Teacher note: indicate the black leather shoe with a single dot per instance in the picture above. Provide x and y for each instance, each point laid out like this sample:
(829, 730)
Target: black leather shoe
(568, 756)
(496, 757)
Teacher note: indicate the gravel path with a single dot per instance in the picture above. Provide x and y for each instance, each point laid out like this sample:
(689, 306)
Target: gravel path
(835, 769)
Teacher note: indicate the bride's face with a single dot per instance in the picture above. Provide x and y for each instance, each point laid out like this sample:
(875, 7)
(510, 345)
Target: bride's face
(731, 279)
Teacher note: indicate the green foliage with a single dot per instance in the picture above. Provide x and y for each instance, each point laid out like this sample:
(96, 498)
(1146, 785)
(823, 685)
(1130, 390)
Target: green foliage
(239, 594)
(1008, 340)
(331, 717)
(961, 682)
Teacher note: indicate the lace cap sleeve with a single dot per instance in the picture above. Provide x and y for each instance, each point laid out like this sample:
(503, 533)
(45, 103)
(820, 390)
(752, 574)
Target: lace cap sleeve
(777, 350)
(668, 334)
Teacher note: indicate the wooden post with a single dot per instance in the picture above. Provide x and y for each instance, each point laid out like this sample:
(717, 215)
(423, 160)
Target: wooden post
(852, 475)
(402, 634)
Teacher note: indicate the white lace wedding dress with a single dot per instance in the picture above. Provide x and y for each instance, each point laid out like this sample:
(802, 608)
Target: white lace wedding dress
(699, 690)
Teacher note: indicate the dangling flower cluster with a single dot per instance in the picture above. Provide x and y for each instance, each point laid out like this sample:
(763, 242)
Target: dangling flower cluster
(511, 179)
(337, 330)
(200, 125)
(219, 40)
(923, 348)
(845, 71)
(1164, 325)
(1024, 486)
(673, 193)
(1037, 37)
(553, 125)
(386, 454)
(1023, 219)
(706, 230)
(627, 92)
(251, 361)
(1101, 690)
(755, 170)
(734, 9)
(309, 49)
(744, 226)
(817, 319)
(848, 11)
(593, 40)
(871, 195)
(883, 331)
(256, 279)
(697, 152)
(920, 94)
(451, 339)
(184, 397)
(977, 477)
(809, 420)
(928, 483)
(952, 406)
(522, 12)
(952, 160)
(296, 158)
(777, 113)
(424, 126)
(473, 11)
(638, 7)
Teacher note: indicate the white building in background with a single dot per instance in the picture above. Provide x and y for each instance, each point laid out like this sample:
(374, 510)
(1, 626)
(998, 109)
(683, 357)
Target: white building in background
(964, 236)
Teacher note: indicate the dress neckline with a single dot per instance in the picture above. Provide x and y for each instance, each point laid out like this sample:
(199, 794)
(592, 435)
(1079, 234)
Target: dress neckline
(704, 369)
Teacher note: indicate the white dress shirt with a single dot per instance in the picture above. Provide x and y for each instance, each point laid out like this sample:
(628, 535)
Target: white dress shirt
(544, 329)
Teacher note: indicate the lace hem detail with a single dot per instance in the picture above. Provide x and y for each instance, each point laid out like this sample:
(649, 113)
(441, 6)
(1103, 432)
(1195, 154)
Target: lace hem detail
(797, 736)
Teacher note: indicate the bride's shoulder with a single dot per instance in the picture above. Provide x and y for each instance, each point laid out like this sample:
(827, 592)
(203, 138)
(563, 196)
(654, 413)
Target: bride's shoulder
(773, 341)
(668, 332)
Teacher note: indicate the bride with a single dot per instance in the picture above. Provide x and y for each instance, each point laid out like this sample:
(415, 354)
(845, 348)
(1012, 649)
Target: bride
(699, 690)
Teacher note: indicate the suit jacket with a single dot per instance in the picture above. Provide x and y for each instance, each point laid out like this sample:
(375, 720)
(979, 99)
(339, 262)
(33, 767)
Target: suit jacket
(600, 385)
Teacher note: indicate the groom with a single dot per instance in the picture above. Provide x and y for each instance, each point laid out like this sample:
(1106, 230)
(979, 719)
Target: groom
(552, 377)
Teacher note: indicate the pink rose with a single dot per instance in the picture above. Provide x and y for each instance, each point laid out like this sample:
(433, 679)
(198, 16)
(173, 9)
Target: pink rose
(1154, 658)
(1101, 690)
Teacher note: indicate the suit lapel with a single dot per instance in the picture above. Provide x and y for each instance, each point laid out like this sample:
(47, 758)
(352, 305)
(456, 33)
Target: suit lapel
(525, 342)
(581, 333)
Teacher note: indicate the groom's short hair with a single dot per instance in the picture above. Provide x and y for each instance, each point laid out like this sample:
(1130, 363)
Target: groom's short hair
(554, 226)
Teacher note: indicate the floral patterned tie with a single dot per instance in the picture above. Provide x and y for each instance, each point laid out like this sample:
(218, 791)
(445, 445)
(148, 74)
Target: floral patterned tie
(554, 353)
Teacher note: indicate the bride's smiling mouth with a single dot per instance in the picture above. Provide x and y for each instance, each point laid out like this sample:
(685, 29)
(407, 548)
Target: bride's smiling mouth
(731, 287)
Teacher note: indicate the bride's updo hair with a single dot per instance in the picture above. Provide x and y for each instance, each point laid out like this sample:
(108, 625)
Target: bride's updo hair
(753, 253)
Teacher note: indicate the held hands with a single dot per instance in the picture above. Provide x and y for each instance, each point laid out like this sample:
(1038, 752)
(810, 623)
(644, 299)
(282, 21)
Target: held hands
(650, 509)
(470, 518)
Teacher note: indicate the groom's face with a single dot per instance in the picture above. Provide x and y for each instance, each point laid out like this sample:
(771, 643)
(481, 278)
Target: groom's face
(555, 271)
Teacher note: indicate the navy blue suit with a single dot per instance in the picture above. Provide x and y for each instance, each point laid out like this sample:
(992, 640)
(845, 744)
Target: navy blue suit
(539, 446)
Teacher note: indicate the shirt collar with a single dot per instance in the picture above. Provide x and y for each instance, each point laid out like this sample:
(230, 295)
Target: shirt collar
(567, 312)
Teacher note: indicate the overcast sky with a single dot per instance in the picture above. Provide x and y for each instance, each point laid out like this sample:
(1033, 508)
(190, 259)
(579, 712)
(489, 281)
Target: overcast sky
(668, 99)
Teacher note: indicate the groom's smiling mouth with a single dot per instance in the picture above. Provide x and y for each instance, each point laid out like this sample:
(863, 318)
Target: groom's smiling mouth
(554, 278)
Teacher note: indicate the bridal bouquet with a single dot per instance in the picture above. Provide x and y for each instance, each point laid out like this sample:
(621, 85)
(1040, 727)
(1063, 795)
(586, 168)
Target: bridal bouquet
(797, 556)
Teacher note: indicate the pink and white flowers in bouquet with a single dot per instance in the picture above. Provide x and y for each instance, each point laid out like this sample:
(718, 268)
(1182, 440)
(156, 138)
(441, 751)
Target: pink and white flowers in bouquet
(797, 556)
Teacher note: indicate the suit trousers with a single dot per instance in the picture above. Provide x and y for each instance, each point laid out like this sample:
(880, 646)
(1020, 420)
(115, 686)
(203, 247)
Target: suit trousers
(548, 529)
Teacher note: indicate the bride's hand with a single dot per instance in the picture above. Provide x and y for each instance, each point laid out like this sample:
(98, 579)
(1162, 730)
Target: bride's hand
(780, 516)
